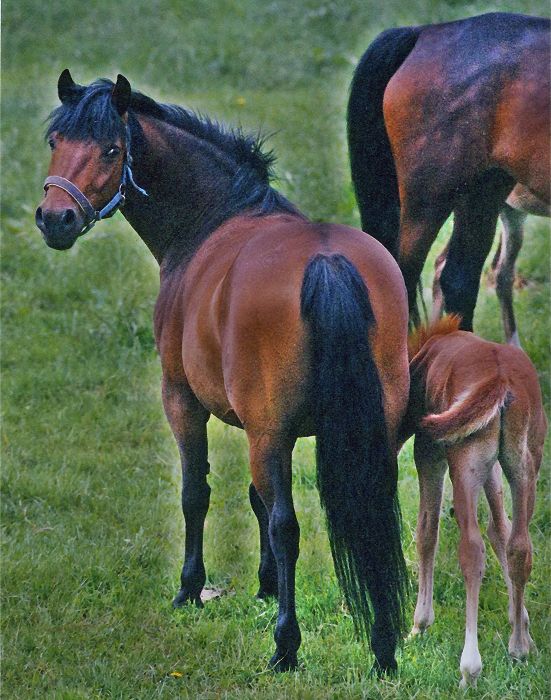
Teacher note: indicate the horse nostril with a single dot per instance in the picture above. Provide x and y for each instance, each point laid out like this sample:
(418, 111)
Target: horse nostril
(38, 216)
(68, 217)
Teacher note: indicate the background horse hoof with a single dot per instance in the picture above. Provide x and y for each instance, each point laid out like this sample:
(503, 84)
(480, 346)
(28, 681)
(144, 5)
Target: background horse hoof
(183, 597)
(284, 662)
(382, 670)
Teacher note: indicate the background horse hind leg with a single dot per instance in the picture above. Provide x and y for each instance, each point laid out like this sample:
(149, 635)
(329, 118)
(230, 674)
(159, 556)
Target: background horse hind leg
(475, 219)
(270, 459)
(188, 420)
(267, 571)
(504, 267)
(430, 461)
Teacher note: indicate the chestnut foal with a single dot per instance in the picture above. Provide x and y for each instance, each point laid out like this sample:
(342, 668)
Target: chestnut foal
(472, 403)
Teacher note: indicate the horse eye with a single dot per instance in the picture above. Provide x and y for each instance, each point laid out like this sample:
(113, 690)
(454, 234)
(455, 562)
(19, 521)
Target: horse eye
(51, 144)
(112, 151)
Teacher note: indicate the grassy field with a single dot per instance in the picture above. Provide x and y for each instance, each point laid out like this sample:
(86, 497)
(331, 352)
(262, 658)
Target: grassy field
(92, 527)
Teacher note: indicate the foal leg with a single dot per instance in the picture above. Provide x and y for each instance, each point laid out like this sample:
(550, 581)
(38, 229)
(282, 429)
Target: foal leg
(430, 461)
(499, 526)
(511, 243)
(519, 557)
(468, 472)
(267, 571)
(188, 420)
(475, 219)
(270, 459)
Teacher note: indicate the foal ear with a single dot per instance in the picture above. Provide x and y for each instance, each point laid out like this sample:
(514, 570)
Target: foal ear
(121, 95)
(65, 86)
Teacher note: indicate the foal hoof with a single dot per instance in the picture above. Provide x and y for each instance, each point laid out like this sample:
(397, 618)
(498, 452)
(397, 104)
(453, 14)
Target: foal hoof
(183, 597)
(284, 662)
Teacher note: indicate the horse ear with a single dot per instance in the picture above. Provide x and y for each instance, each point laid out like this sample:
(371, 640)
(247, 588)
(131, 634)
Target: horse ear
(121, 95)
(65, 86)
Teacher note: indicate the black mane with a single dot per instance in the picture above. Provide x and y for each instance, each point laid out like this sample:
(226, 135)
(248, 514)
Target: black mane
(89, 114)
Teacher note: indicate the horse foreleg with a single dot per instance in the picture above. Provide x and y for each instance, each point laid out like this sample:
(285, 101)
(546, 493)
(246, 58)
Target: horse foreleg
(270, 460)
(188, 420)
(267, 571)
(511, 243)
(430, 461)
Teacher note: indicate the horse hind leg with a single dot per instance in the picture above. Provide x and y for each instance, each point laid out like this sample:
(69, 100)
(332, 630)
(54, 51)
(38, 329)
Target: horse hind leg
(267, 571)
(270, 460)
(511, 243)
(430, 462)
(437, 296)
(475, 219)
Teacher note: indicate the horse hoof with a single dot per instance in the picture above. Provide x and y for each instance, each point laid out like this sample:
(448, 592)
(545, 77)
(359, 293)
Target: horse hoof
(284, 662)
(183, 597)
(382, 670)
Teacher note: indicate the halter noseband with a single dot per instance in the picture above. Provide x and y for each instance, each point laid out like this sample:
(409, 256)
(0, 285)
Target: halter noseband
(93, 215)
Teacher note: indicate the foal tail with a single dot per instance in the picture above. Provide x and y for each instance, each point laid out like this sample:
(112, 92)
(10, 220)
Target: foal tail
(470, 412)
(356, 473)
(371, 161)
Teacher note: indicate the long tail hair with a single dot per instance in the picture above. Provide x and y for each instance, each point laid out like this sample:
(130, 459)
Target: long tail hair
(371, 161)
(356, 475)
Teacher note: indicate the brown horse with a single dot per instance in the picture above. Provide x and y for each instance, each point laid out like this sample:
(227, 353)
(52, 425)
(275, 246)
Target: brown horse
(472, 403)
(448, 118)
(272, 323)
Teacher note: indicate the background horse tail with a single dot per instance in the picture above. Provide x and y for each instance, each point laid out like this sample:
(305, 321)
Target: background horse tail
(371, 161)
(471, 411)
(356, 476)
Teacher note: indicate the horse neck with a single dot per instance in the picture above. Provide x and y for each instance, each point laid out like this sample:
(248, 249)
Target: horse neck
(184, 178)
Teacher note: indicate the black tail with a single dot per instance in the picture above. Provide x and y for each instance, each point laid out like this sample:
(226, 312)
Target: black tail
(371, 161)
(356, 474)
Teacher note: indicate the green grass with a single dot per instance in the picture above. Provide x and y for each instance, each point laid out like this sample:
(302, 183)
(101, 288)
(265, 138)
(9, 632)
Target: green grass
(92, 528)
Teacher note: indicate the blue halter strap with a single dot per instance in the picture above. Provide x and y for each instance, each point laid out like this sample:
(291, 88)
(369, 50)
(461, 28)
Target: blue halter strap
(91, 214)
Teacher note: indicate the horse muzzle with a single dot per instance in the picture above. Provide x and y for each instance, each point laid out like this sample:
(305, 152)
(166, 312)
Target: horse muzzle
(59, 228)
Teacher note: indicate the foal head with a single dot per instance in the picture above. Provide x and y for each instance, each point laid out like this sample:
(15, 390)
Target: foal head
(88, 138)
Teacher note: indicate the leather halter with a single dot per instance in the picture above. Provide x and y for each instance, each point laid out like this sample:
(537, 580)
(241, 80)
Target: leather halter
(93, 215)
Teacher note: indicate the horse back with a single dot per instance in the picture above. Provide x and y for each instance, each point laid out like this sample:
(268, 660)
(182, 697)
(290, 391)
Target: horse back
(466, 98)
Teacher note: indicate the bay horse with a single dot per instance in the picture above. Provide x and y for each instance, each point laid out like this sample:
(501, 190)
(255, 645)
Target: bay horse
(476, 407)
(272, 323)
(449, 118)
